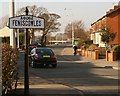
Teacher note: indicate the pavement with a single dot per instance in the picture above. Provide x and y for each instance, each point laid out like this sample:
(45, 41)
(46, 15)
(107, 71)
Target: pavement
(100, 62)
(53, 89)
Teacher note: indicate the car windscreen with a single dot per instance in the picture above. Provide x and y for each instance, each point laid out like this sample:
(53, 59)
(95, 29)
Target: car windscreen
(44, 51)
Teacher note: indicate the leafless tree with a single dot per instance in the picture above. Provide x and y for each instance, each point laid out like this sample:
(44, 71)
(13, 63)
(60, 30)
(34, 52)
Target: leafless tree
(4, 21)
(79, 31)
(51, 20)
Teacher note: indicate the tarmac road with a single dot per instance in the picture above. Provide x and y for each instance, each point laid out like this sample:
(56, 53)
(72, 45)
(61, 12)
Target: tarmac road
(74, 76)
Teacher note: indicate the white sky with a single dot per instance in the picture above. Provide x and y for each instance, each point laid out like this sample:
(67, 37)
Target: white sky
(70, 10)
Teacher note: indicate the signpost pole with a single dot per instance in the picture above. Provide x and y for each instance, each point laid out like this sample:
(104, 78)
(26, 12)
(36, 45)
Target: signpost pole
(26, 73)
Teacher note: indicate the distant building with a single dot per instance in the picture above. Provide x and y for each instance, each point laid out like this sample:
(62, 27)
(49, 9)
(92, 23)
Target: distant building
(112, 20)
(5, 32)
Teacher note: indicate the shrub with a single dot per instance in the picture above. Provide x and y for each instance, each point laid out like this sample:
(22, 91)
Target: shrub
(9, 68)
(102, 50)
(93, 47)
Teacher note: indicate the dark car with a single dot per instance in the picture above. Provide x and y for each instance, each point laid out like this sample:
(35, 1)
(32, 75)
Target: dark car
(42, 56)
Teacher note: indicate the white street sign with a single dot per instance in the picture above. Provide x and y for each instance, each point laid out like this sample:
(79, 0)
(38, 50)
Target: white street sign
(26, 21)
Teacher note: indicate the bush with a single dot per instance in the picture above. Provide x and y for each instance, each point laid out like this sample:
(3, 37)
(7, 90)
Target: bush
(93, 47)
(9, 68)
(102, 50)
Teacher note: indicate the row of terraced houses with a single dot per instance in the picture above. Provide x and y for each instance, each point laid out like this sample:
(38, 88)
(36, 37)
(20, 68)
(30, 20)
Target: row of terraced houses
(112, 20)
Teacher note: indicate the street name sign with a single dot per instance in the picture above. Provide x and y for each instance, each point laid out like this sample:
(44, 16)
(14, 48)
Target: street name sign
(26, 21)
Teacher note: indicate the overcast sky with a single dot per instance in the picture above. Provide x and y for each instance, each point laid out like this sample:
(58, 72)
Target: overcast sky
(70, 10)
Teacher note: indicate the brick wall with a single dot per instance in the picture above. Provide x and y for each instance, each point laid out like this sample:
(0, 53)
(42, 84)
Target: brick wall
(112, 22)
(89, 53)
(110, 56)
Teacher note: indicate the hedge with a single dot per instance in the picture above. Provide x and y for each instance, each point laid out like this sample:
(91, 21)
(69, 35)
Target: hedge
(9, 68)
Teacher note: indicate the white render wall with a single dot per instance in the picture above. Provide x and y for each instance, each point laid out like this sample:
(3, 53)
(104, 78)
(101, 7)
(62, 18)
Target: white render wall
(97, 39)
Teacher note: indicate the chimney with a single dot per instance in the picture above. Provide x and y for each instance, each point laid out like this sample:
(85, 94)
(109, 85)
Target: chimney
(107, 12)
(111, 10)
(116, 7)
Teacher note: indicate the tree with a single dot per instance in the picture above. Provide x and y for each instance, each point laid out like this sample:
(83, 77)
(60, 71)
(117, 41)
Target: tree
(79, 31)
(22, 38)
(106, 34)
(51, 23)
(4, 21)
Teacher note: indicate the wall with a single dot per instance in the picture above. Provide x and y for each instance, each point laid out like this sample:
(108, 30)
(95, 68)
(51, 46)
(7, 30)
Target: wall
(112, 22)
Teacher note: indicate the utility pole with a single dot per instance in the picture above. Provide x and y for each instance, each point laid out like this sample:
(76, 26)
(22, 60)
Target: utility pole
(12, 31)
(26, 73)
(72, 34)
(62, 38)
(17, 38)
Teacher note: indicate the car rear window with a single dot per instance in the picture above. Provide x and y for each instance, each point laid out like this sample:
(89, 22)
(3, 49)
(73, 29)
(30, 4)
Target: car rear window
(44, 51)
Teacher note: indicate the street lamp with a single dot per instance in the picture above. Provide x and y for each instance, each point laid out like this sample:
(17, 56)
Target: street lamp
(72, 37)
(72, 34)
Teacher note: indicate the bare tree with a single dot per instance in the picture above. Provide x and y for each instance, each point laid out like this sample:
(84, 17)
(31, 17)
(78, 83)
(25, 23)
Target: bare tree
(51, 23)
(4, 21)
(79, 30)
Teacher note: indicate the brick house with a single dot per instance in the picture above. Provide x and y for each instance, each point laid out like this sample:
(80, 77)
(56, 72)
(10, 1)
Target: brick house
(111, 20)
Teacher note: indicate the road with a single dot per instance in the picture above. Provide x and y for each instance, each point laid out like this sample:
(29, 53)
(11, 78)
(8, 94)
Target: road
(72, 76)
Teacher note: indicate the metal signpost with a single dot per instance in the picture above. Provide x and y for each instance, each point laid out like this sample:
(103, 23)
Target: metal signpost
(26, 21)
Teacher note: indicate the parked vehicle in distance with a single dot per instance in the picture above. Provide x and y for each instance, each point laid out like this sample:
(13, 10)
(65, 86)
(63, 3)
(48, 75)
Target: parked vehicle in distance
(56, 44)
(42, 56)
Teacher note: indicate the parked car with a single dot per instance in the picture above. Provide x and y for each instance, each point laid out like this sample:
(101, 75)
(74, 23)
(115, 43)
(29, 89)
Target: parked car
(42, 56)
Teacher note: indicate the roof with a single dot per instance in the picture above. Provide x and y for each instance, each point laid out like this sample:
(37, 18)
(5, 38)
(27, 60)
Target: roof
(5, 32)
(118, 10)
(107, 14)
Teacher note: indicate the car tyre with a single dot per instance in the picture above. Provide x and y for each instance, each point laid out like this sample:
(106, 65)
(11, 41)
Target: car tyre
(54, 65)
